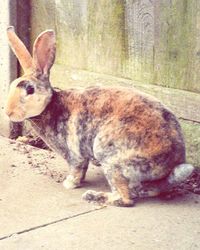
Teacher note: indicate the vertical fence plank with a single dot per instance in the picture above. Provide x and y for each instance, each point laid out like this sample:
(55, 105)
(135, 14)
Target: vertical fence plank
(71, 26)
(42, 15)
(140, 32)
(174, 46)
(194, 81)
(106, 39)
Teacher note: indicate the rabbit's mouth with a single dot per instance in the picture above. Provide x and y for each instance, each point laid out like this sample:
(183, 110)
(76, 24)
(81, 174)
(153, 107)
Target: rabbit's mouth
(15, 118)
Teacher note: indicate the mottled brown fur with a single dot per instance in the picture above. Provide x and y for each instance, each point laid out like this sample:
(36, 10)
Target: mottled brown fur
(134, 138)
(158, 150)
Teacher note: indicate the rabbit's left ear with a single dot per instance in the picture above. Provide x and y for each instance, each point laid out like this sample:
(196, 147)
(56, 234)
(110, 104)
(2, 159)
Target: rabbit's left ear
(44, 50)
(19, 50)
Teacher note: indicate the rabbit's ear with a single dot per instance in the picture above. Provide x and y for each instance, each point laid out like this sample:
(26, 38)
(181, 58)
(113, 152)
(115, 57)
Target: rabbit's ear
(19, 50)
(44, 50)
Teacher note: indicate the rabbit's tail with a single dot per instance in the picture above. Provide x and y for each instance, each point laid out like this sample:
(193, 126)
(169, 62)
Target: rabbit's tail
(180, 173)
(184, 178)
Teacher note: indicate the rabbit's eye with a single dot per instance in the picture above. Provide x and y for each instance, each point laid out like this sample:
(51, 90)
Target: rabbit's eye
(30, 90)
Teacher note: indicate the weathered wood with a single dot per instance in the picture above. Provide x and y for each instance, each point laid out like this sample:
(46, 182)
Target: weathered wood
(195, 56)
(71, 27)
(191, 131)
(42, 16)
(106, 36)
(174, 50)
(139, 16)
(23, 26)
(162, 42)
(149, 41)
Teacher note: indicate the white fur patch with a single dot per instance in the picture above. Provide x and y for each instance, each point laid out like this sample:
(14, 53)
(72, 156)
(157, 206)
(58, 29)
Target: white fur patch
(180, 173)
(70, 182)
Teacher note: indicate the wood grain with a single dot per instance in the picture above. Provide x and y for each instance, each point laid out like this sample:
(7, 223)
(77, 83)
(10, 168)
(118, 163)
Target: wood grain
(106, 36)
(139, 16)
(150, 41)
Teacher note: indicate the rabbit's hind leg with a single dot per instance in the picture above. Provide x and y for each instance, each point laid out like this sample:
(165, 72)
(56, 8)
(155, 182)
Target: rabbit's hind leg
(120, 195)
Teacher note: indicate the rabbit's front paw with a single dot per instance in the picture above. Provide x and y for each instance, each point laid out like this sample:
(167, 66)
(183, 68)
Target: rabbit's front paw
(71, 182)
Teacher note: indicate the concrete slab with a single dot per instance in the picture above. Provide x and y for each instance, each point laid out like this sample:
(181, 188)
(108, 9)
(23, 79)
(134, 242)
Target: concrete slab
(150, 225)
(28, 198)
(36, 212)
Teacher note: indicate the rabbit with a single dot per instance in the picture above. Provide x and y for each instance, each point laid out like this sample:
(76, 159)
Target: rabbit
(133, 137)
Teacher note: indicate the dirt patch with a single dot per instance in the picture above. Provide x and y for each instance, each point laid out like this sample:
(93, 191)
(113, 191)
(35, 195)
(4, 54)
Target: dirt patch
(33, 141)
(39, 159)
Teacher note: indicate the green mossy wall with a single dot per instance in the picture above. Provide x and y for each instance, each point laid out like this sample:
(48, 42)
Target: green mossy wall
(191, 132)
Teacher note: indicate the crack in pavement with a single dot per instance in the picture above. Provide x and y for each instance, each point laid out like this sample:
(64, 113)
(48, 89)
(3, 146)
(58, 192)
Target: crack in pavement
(50, 223)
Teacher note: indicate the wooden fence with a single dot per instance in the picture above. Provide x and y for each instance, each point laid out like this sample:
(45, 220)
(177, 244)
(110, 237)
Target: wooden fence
(153, 43)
